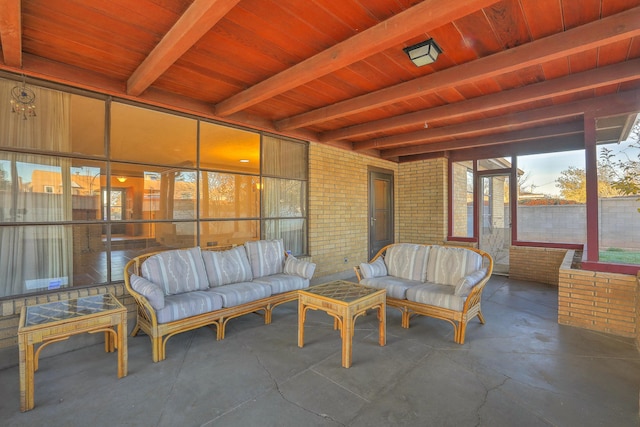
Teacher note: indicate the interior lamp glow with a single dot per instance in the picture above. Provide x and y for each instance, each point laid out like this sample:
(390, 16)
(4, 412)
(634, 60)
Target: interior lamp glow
(423, 53)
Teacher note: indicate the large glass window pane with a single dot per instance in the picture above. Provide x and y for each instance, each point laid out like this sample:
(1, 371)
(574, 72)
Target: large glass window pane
(618, 194)
(142, 192)
(35, 188)
(225, 195)
(284, 158)
(229, 149)
(462, 199)
(218, 233)
(87, 125)
(35, 258)
(551, 198)
(144, 135)
(89, 255)
(284, 198)
(292, 231)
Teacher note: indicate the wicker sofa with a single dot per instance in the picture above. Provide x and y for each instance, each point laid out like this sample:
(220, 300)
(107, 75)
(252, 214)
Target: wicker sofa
(183, 289)
(444, 282)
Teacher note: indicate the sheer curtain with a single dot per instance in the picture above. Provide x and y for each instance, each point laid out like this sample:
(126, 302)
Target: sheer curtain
(35, 189)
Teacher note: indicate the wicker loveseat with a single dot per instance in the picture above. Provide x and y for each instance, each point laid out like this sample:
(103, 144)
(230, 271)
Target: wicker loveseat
(183, 289)
(444, 282)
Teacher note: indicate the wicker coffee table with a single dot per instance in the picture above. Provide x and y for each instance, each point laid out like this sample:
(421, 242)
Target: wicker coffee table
(345, 301)
(56, 321)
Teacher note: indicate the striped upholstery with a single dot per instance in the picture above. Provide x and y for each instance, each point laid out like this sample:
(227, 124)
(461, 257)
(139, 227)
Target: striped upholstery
(448, 265)
(189, 304)
(375, 269)
(280, 283)
(396, 287)
(439, 295)
(298, 267)
(464, 286)
(152, 292)
(266, 257)
(224, 267)
(407, 261)
(241, 293)
(177, 271)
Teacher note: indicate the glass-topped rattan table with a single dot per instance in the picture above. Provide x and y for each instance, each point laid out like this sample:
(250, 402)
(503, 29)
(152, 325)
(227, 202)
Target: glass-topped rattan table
(51, 322)
(345, 302)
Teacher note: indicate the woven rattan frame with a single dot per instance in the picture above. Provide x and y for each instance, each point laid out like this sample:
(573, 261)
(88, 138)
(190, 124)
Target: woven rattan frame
(459, 319)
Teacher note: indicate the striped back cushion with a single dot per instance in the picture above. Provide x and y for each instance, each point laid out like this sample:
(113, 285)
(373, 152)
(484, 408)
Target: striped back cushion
(176, 271)
(407, 261)
(224, 267)
(266, 257)
(447, 266)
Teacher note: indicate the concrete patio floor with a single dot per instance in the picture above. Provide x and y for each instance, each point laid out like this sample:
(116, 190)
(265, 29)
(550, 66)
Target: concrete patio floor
(520, 369)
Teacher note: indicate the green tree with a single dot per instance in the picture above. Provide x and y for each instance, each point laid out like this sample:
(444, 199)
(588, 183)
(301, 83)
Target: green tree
(573, 183)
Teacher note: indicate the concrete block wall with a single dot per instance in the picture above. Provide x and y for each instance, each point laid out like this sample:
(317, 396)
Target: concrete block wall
(535, 264)
(605, 302)
(422, 201)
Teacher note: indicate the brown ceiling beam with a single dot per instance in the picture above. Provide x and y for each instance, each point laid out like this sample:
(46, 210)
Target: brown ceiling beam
(199, 18)
(619, 103)
(564, 129)
(419, 19)
(598, 33)
(612, 74)
(11, 32)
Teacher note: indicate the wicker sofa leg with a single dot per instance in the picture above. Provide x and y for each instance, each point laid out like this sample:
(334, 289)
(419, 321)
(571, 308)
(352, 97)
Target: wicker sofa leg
(135, 331)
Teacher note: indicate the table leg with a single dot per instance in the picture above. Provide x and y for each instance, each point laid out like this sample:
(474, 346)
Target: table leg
(347, 339)
(122, 346)
(382, 324)
(26, 374)
(301, 316)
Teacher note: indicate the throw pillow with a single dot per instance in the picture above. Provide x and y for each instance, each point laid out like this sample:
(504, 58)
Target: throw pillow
(298, 267)
(465, 284)
(375, 269)
(152, 292)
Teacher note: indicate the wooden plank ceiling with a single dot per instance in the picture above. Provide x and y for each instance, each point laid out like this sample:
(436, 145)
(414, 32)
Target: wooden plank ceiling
(335, 72)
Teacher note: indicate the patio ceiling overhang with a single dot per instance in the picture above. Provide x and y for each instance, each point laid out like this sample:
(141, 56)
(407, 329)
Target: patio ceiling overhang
(511, 72)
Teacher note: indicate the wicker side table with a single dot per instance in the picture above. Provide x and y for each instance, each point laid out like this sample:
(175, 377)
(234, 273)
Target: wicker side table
(44, 324)
(345, 302)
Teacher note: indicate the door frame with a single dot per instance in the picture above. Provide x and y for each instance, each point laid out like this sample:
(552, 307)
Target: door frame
(379, 173)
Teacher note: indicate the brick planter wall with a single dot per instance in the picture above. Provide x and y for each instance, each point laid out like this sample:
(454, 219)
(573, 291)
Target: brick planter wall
(535, 264)
(605, 302)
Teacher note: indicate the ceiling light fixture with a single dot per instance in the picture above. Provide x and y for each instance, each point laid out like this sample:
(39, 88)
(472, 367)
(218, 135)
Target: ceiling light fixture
(244, 161)
(423, 53)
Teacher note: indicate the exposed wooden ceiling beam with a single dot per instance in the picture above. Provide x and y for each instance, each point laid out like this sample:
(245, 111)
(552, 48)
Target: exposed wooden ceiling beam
(11, 32)
(412, 22)
(598, 33)
(619, 103)
(571, 128)
(198, 19)
(612, 74)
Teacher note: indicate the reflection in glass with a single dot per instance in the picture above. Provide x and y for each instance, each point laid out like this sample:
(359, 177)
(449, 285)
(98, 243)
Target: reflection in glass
(229, 149)
(217, 233)
(284, 198)
(225, 195)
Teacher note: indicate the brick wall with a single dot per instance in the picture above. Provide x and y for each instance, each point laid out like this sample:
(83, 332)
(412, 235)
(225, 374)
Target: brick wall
(338, 207)
(605, 302)
(535, 264)
(421, 207)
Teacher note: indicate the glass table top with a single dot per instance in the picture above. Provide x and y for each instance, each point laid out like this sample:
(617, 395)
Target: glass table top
(341, 290)
(76, 307)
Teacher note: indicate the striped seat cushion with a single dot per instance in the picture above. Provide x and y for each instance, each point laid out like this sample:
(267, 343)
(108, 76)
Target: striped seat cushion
(241, 293)
(177, 271)
(407, 261)
(438, 295)
(224, 267)
(266, 257)
(396, 287)
(280, 283)
(189, 304)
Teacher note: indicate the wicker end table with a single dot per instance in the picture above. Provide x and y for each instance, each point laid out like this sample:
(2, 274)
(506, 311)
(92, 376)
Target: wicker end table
(44, 324)
(345, 301)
